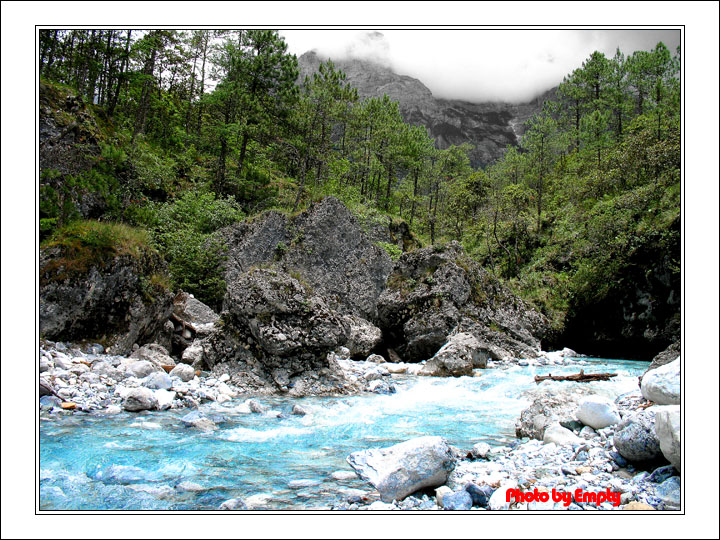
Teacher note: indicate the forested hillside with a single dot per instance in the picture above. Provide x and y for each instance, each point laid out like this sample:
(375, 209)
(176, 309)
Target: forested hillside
(179, 134)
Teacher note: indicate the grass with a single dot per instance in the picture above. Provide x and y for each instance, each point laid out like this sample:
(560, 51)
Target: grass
(88, 243)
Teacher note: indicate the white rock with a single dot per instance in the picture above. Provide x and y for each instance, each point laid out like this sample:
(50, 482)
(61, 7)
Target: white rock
(401, 469)
(164, 398)
(559, 435)
(597, 412)
(344, 475)
(139, 399)
(379, 505)
(440, 493)
(662, 385)
(184, 371)
(667, 429)
(497, 500)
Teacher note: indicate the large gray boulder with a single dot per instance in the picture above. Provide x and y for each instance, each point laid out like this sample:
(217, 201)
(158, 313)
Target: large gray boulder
(324, 247)
(635, 437)
(108, 298)
(456, 358)
(662, 384)
(276, 336)
(433, 292)
(402, 469)
(667, 429)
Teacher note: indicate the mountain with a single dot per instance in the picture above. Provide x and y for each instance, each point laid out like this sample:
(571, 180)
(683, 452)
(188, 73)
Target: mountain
(489, 127)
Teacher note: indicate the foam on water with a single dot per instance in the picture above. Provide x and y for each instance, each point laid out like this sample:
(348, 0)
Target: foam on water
(139, 460)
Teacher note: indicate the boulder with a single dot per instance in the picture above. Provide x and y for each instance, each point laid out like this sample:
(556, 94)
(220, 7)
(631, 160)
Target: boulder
(233, 504)
(480, 494)
(189, 309)
(664, 357)
(667, 430)
(140, 368)
(109, 296)
(140, 399)
(193, 354)
(199, 421)
(459, 500)
(402, 469)
(164, 398)
(635, 437)
(662, 384)
(435, 291)
(184, 371)
(324, 246)
(555, 433)
(154, 353)
(480, 450)
(363, 336)
(277, 336)
(456, 358)
(158, 380)
(597, 412)
(548, 406)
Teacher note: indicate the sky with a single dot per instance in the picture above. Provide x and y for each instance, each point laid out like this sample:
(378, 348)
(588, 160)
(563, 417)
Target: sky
(479, 65)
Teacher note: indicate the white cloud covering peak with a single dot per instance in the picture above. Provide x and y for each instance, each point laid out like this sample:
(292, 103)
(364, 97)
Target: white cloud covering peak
(479, 65)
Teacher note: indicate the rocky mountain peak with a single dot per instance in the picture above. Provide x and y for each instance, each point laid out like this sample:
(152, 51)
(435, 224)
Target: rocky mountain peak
(489, 127)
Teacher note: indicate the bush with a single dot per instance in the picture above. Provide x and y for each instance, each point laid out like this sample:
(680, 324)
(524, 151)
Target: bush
(182, 231)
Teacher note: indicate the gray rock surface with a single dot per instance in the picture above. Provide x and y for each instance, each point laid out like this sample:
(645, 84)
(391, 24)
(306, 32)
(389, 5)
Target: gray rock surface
(402, 469)
(433, 292)
(324, 247)
(635, 437)
(140, 399)
(154, 353)
(184, 371)
(456, 358)
(555, 433)
(277, 336)
(548, 406)
(110, 300)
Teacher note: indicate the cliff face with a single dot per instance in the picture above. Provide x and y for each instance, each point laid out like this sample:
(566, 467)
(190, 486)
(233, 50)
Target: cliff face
(489, 127)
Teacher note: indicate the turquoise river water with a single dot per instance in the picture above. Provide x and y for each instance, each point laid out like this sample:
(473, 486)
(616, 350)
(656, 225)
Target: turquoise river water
(136, 461)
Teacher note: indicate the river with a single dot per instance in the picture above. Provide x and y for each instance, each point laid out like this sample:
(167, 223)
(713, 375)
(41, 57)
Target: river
(151, 461)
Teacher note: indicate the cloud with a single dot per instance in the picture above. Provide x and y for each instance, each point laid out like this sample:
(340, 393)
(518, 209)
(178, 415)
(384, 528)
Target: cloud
(479, 65)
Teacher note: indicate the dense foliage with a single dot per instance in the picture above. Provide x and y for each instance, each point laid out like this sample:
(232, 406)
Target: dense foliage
(201, 128)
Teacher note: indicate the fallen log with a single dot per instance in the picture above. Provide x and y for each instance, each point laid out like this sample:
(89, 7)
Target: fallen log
(576, 377)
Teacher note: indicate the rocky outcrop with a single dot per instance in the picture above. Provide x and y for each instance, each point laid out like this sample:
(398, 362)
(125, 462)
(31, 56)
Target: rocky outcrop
(639, 314)
(276, 336)
(435, 291)
(324, 247)
(402, 469)
(113, 301)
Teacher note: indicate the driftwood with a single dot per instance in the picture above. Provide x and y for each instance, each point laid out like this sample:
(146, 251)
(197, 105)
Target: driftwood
(577, 377)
